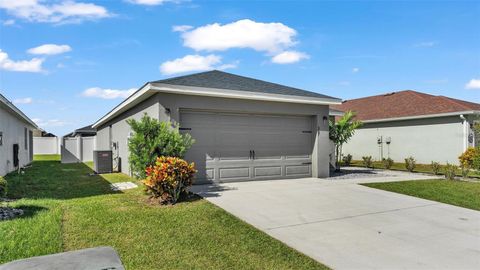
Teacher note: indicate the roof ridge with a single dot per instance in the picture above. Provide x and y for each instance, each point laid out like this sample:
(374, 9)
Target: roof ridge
(259, 80)
(459, 102)
(420, 94)
(231, 74)
(229, 81)
(186, 75)
(382, 95)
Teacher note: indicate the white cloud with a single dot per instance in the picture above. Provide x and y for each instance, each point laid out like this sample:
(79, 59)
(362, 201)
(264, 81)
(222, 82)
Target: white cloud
(355, 70)
(27, 100)
(8, 22)
(473, 84)
(425, 44)
(289, 57)
(228, 66)
(67, 11)
(148, 2)
(50, 49)
(181, 28)
(190, 63)
(33, 65)
(344, 83)
(98, 92)
(265, 37)
(50, 122)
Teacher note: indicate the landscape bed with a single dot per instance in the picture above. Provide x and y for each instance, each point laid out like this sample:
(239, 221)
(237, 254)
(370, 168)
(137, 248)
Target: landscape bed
(459, 193)
(68, 209)
(419, 168)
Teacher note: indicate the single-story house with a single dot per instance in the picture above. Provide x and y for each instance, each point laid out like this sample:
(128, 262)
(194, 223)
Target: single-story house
(245, 129)
(41, 133)
(86, 131)
(409, 123)
(16, 137)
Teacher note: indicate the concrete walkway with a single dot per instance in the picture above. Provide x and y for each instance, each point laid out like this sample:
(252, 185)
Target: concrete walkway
(348, 226)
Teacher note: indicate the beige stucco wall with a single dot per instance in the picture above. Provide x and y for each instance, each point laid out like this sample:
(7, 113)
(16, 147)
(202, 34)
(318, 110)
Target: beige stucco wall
(431, 139)
(120, 132)
(13, 133)
(158, 105)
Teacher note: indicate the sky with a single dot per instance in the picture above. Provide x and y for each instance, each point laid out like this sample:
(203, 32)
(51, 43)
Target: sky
(66, 63)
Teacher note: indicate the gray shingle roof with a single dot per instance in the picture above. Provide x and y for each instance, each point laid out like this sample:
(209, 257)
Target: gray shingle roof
(223, 80)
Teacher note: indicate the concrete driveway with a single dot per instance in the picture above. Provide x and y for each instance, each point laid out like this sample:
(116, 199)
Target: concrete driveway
(348, 226)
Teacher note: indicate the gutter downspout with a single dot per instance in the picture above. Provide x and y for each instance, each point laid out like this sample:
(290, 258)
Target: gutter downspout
(465, 132)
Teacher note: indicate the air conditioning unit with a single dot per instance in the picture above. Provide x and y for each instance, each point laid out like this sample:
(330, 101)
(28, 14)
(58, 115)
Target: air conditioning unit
(103, 161)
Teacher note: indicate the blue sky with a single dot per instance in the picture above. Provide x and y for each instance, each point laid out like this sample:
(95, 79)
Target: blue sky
(67, 63)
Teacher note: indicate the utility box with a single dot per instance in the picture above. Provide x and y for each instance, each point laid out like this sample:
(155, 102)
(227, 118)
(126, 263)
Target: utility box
(103, 161)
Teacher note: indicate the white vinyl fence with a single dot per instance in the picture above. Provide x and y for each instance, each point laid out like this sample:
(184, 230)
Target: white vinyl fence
(78, 149)
(46, 145)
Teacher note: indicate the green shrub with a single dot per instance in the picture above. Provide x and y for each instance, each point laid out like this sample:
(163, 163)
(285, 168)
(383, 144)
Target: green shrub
(435, 167)
(410, 164)
(467, 157)
(347, 160)
(450, 171)
(169, 178)
(476, 161)
(3, 187)
(367, 161)
(387, 163)
(465, 171)
(151, 139)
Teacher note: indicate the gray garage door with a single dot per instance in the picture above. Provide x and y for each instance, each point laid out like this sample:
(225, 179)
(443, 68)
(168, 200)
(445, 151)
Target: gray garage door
(241, 147)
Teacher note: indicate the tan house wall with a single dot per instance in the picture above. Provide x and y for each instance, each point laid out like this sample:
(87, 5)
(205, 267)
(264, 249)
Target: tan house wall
(431, 139)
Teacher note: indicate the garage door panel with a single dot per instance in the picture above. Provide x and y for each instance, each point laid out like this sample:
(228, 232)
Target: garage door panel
(210, 174)
(295, 170)
(298, 157)
(282, 145)
(234, 173)
(266, 157)
(270, 171)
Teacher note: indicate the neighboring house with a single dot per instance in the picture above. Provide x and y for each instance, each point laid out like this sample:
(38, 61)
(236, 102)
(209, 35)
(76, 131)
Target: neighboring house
(78, 146)
(45, 143)
(42, 133)
(409, 123)
(16, 137)
(86, 131)
(245, 129)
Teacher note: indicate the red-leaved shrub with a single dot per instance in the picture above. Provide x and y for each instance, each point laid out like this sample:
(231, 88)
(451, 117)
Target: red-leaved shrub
(169, 178)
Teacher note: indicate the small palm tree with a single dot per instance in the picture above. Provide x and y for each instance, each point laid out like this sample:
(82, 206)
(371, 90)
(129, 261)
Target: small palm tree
(341, 132)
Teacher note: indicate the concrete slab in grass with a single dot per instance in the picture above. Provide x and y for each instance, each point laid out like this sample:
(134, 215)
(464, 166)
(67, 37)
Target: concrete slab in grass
(85, 259)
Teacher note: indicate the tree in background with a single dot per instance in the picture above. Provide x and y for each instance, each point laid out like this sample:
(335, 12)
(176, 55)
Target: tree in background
(340, 133)
(151, 139)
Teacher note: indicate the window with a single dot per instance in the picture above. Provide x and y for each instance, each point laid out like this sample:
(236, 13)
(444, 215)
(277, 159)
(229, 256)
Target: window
(1, 138)
(26, 138)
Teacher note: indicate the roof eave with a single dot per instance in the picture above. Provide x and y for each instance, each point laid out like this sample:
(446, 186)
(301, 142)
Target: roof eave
(212, 92)
(137, 94)
(237, 94)
(421, 116)
(17, 111)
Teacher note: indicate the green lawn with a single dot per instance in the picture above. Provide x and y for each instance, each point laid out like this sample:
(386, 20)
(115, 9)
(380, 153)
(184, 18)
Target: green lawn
(459, 193)
(421, 168)
(67, 209)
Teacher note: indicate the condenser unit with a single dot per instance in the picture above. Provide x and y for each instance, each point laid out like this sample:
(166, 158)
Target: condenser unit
(103, 161)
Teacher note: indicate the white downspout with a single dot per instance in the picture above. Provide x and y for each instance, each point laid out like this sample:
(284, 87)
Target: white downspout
(465, 132)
